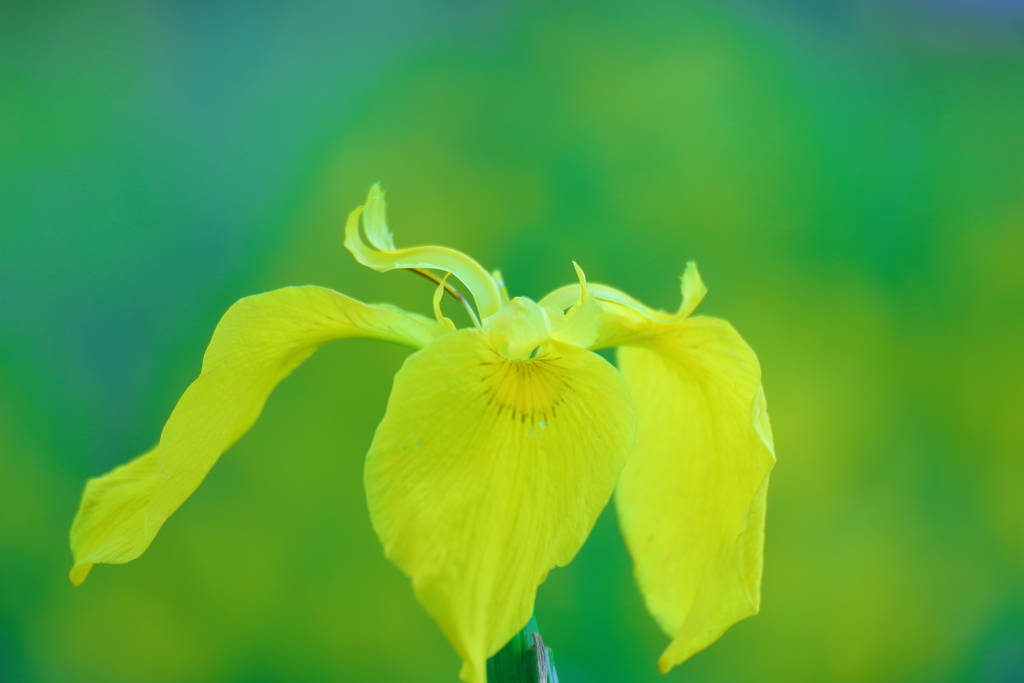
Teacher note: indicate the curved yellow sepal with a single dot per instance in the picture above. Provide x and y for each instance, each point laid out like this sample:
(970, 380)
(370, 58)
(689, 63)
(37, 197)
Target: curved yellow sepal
(259, 341)
(487, 472)
(691, 498)
(382, 256)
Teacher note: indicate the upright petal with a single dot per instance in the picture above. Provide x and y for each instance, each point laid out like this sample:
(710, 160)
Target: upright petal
(259, 341)
(584, 318)
(487, 472)
(692, 287)
(382, 256)
(691, 498)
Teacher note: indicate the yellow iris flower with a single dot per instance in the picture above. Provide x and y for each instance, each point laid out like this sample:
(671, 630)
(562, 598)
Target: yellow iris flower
(500, 445)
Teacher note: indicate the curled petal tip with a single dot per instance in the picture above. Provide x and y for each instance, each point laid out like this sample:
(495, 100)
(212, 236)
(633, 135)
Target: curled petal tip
(582, 277)
(376, 192)
(79, 573)
(374, 222)
(378, 252)
(693, 290)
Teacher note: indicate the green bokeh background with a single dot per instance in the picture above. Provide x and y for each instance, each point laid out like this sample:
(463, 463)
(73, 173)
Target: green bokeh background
(848, 175)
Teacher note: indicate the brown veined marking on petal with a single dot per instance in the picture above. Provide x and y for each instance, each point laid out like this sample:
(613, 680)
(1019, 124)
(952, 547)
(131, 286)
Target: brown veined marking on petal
(515, 384)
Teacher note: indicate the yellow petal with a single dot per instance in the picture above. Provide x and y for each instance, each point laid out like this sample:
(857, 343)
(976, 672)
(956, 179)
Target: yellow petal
(583, 319)
(382, 256)
(487, 472)
(374, 220)
(259, 341)
(691, 498)
(693, 291)
(692, 286)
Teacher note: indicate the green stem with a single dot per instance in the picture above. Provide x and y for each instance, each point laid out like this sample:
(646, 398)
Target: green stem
(524, 659)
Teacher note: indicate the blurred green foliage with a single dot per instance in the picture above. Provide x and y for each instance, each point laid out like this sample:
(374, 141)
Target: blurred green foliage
(848, 175)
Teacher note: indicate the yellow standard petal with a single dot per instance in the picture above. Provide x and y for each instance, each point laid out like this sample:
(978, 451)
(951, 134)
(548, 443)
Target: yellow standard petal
(486, 472)
(692, 287)
(381, 255)
(691, 498)
(584, 318)
(259, 341)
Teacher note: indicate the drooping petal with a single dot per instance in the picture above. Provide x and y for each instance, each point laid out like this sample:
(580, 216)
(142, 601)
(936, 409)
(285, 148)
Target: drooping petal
(259, 341)
(382, 256)
(691, 498)
(487, 472)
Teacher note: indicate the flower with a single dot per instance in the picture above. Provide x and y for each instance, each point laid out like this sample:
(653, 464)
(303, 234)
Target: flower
(500, 445)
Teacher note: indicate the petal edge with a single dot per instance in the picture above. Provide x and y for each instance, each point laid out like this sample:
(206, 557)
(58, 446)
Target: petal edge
(259, 341)
(487, 472)
(691, 498)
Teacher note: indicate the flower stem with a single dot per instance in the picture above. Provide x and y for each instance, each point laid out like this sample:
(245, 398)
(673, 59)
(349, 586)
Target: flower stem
(524, 659)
